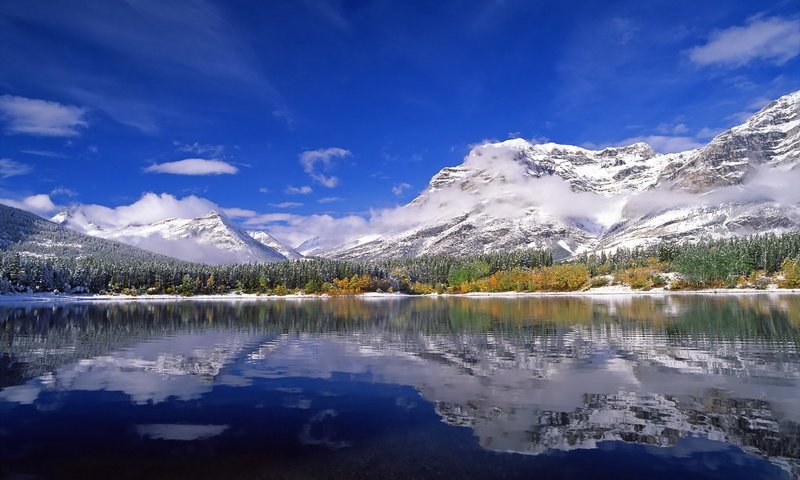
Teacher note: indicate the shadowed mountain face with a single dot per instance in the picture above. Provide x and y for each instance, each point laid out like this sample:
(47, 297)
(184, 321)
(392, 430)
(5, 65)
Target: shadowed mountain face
(695, 381)
(516, 194)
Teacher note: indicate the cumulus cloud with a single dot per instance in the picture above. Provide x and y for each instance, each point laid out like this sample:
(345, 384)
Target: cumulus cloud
(315, 162)
(40, 204)
(41, 117)
(10, 168)
(150, 208)
(193, 166)
(302, 190)
(771, 39)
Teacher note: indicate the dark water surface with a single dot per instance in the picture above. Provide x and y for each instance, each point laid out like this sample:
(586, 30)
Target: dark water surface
(536, 388)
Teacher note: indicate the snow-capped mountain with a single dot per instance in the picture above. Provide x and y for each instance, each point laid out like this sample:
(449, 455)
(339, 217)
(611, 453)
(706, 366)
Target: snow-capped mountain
(211, 238)
(517, 194)
(275, 244)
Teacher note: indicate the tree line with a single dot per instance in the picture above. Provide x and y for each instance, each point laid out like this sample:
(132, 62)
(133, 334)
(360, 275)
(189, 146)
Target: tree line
(721, 263)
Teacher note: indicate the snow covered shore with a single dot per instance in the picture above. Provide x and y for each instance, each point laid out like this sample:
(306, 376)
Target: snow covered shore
(595, 292)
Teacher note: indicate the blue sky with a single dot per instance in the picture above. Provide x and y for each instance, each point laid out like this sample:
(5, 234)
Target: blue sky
(313, 108)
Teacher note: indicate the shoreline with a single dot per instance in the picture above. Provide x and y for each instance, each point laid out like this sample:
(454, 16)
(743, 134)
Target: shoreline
(597, 292)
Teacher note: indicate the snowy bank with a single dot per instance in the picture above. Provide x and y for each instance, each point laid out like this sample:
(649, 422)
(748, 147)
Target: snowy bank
(595, 292)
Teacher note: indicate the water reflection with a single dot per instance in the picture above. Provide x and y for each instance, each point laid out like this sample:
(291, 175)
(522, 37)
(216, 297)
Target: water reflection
(530, 376)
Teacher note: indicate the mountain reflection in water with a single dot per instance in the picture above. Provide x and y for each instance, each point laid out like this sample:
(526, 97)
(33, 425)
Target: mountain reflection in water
(532, 376)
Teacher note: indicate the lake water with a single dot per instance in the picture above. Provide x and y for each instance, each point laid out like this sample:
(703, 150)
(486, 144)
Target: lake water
(563, 387)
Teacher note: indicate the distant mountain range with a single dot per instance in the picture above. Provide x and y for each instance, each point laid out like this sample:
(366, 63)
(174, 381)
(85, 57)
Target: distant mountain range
(211, 238)
(517, 194)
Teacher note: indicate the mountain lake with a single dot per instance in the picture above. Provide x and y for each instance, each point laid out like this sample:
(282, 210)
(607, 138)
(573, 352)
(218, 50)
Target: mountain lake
(616, 387)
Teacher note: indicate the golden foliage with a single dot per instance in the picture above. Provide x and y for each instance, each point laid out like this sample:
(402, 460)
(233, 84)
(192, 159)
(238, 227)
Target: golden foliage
(791, 273)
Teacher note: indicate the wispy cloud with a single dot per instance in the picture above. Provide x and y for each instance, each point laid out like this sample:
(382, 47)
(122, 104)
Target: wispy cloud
(44, 153)
(42, 118)
(313, 161)
(193, 166)
(236, 212)
(10, 168)
(771, 39)
(195, 42)
(302, 190)
(200, 148)
(286, 205)
(399, 189)
(63, 192)
(263, 190)
(329, 199)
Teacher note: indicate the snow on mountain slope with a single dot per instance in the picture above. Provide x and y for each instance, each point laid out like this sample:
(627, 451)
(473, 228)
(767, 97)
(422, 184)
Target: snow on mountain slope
(311, 247)
(273, 243)
(516, 194)
(211, 238)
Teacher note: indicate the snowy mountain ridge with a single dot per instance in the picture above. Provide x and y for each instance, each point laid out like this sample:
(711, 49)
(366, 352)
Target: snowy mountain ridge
(516, 194)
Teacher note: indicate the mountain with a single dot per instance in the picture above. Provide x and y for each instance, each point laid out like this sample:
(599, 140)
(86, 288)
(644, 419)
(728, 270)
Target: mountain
(275, 244)
(211, 238)
(29, 234)
(516, 194)
(311, 247)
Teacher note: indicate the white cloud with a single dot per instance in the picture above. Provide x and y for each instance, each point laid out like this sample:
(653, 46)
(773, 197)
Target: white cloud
(10, 168)
(329, 199)
(235, 212)
(772, 39)
(286, 205)
(263, 190)
(303, 190)
(40, 204)
(40, 117)
(313, 160)
(193, 166)
(399, 189)
(150, 208)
